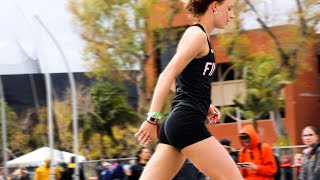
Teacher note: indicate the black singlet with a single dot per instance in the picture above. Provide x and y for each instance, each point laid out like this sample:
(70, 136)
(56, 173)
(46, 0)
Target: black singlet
(185, 123)
(193, 84)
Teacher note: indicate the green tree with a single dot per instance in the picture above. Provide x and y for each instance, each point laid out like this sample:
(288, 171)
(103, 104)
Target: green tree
(17, 139)
(281, 68)
(260, 80)
(110, 109)
(115, 33)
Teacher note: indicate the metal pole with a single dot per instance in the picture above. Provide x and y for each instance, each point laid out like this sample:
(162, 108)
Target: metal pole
(50, 123)
(50, 120)
(73, 98)
(4, 130)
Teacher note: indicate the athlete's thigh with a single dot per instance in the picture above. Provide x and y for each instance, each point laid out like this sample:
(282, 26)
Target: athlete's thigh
(164, 163)
(212, 159)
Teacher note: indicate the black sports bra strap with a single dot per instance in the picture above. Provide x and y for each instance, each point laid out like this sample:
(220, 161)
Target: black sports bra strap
(201, 27)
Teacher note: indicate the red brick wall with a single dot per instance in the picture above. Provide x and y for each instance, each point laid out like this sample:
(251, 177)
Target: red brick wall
(230, 131)
(303, 110)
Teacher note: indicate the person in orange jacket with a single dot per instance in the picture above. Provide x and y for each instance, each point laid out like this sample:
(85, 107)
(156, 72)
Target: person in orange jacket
(256, 159)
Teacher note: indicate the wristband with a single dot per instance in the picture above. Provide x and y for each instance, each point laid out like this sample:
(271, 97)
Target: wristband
(154, 115)
(151, 123)
(152, 119)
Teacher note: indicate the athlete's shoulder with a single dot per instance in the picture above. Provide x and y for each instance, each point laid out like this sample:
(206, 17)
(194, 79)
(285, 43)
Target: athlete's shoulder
(194, 35)
(195, 32)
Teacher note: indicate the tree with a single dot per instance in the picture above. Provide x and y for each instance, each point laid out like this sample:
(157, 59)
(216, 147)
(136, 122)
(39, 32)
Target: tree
(115, 33)
(260, 80)
(286, 58)
(16, 136)
(110, 110)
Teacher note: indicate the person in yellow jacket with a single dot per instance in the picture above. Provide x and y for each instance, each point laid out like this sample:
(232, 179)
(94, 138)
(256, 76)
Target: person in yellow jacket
(43, 172)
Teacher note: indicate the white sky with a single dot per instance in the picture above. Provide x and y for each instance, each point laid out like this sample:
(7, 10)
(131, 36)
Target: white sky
(17, 20)
(18, 23)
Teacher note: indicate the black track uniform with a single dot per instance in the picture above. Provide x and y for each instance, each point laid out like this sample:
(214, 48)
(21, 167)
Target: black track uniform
(185, 124)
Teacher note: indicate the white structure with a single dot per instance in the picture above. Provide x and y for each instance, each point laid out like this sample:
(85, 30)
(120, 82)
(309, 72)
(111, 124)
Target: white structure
(37, 157)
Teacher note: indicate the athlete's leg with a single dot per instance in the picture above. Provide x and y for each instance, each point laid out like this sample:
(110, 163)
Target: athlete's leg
(212, 159)
(164, 163)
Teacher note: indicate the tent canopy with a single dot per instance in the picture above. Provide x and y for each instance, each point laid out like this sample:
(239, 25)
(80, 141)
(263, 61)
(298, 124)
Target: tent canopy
(37, 157)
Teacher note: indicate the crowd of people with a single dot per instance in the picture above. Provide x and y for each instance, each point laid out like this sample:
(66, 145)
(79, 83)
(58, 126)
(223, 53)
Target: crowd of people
(255, 160)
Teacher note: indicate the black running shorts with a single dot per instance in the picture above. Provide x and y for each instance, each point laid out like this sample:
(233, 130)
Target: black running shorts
(182, 127)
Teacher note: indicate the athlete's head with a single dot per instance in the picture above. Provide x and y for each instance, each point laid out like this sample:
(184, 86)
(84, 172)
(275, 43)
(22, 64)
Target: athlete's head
(220, 12)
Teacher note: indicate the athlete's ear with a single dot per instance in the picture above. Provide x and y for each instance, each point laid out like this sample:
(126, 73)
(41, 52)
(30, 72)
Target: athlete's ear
(214, 6)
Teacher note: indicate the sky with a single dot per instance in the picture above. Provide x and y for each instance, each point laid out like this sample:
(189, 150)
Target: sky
(19, 26)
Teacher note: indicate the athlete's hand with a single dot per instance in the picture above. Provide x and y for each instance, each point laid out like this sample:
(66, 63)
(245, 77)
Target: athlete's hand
(213, 115)
(147, 133)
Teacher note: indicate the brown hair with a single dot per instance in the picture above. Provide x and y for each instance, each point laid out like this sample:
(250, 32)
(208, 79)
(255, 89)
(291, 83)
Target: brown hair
(197, 8)
(314, 129)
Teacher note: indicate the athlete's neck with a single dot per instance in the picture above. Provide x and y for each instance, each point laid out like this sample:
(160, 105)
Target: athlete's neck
(206, 27)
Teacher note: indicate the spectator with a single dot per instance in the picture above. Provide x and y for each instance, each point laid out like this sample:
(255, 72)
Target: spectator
(258, 162)
(127, 167)
(106, 172)
(143, 156)
(117, 171)
(226, 143)
(43, 172)
(311, 161)
(20, 174)
(69, 171)
(286, 165)
(100, 168)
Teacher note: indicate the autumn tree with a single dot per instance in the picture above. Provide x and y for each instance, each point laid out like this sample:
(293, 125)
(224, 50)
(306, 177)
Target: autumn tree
(17, 139)
(115, 35)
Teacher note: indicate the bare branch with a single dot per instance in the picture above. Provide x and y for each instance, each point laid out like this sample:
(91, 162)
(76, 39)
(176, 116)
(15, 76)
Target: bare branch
(283, 54)
(301, 18)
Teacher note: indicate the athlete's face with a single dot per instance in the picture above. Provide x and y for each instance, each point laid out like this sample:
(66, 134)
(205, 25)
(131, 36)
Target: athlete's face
(309, 137)
(224, 13)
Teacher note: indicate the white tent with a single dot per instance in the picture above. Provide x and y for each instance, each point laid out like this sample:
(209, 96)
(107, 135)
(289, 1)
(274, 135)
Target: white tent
(37, 157)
